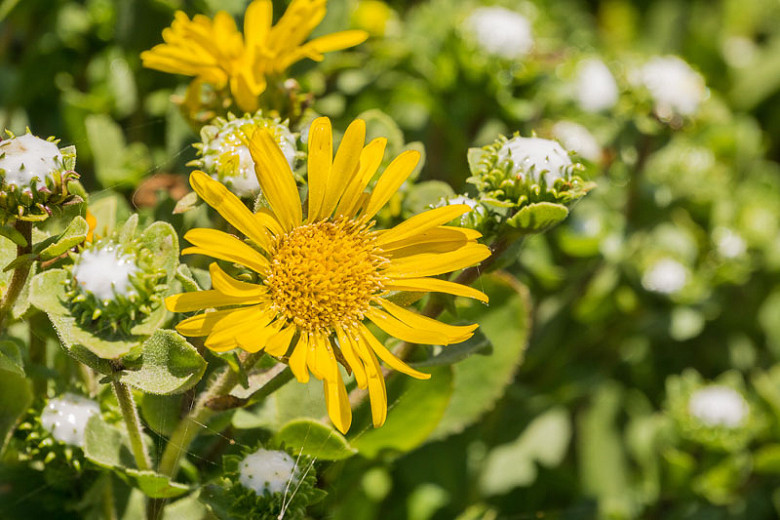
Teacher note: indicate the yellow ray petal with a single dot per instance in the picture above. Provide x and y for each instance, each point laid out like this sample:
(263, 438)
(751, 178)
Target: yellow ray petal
(316, 350)
(201, 324)
(320, 161)
(421, 223)
(220, 245)
(453, 237)
(336, 41)
(267, 219)
(430, 264)
(297, 359)
(195, 301)
(377, 392)
(278, 344)
(337, 403)
(392, 179)
(387, 356)
(401, 330)
(276, 178)
(350, 354)
(370, 158)
(345, 165)
(455, 333)
(229, 286)
(230, 207)
(257, 338)
(257, 22)
(240, 322)
(435, 285)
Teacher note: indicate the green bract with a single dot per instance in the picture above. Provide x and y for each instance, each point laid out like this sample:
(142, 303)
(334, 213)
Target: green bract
(35, 177)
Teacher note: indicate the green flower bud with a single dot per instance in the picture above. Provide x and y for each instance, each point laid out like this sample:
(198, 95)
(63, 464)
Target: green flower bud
(112, 286)
(34, 177)
(224, 156)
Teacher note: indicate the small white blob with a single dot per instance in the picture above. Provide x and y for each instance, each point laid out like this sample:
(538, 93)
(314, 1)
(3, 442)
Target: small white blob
(226, 152)
(105, 273)
(27, 156)
(536, 158)
(666, 276)
(268, 471)
(66, 417)
(717, 405)
(674, 86)
(596, 86)
(729, 243)
(500, 32)
(577, 138)
(461, 199)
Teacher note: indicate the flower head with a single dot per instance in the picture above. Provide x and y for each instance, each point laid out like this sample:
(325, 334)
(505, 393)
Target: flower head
(321, 274)
(215, 52)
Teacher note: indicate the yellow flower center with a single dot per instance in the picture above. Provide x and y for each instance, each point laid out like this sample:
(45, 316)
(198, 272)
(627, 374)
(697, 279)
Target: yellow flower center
(325, 273)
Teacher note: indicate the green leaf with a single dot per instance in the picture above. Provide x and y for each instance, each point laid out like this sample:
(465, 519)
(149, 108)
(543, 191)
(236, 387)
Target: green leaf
(480, 380)
(47, 292)
(545, 441)
(108, 208)
(155, 485)
(415, 407)
(127, 232)
(11, 358)
(168, 364)
(15, 397)
(186, 203)
(74, 234)
(451, 354)
(538, 217)
(13, 235)
(106, 445)
(161, 239)
(475, 156)
(314, 439)
(116, 163)
(161, 412)
(20, 261)
(187, 279)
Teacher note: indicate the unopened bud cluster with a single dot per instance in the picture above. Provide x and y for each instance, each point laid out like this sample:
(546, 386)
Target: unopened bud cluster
(34, 177)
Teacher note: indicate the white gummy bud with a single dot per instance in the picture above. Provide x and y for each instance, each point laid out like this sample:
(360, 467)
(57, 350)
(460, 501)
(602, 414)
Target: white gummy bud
(534, 158)
(66, 417)
(105, 273)
(666, 276)
(674, 86)
(27, 156)
(227, 147)
(718, 405)
(268, 472)
(577, 138)
(596, 86)
(500, 32)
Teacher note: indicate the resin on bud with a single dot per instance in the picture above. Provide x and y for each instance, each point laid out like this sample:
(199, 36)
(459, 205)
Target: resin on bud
(500, 32)
(224, 156)
(34, 177)
(65, 418)
(112, 286)
(716, 414)
(676, 89)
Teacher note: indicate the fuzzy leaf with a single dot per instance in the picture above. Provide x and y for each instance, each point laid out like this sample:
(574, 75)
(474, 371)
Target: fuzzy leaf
(538, 217)
(186, 203)
(475, 155)
(74, 234)
(187, 279)
(11, 358)
(106, 445)
(161, 239)
(161, 412)
(480, 380)
(415, 409)
(15, 397)
(155, 485)
(314, 439)
(13, 235)
(127, 232)
(168, 364)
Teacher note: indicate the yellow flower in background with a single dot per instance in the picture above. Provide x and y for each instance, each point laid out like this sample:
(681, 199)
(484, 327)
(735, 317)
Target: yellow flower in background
(215, 52)
(373, 16)
(322, 274)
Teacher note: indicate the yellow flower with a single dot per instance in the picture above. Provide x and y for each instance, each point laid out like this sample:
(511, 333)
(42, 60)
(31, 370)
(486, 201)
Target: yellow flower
(323, 273)
(215, 52)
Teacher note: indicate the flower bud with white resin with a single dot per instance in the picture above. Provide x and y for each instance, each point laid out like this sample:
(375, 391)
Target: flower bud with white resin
(34, 177)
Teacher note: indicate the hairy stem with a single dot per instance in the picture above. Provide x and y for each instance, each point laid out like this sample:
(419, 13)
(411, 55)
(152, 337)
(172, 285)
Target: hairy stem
(20, 272)
(133, 422)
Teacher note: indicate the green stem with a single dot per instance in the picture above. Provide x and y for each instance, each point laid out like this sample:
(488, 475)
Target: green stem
(20, 272)
(133, 422)
(38, 353)
(109, 508)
